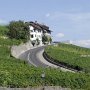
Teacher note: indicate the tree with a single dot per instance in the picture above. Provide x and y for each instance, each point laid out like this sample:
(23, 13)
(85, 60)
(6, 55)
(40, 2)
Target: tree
(18, 30)
(50, 39)
(44, 39)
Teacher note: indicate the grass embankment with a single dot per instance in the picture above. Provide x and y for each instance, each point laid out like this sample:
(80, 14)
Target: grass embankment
(71, 56)
(16, 73)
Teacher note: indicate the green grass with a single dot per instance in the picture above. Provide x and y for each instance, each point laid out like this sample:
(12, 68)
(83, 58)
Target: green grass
(4, 39)
(71, 55)
(3, 30)
(17, 73)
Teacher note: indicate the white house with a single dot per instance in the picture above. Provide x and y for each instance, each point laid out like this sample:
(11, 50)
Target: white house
(37, 31)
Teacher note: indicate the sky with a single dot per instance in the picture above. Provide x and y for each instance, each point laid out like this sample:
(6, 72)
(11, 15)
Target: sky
(68, 19)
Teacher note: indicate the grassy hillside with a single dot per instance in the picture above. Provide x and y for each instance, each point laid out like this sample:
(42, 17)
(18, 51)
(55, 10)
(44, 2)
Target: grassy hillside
(4, 40)
(3, 30)
(16, 73)
(70, 55)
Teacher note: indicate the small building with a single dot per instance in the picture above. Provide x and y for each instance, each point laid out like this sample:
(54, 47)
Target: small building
(37, 31)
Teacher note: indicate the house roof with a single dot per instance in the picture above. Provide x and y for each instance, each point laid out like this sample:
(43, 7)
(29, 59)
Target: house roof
(39, 26)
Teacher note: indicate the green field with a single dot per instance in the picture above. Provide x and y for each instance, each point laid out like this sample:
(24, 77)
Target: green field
(71, 56)
(16, 73)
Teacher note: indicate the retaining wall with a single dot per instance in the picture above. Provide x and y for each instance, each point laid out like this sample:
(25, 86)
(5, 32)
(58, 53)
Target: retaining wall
(37, 88)
(16, 51)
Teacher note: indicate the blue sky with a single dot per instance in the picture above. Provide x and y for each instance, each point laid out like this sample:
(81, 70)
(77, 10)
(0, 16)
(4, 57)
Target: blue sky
(68, 19)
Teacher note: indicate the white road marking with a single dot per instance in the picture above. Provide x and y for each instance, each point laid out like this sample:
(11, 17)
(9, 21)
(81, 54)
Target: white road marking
(41, 58)
(28, 58)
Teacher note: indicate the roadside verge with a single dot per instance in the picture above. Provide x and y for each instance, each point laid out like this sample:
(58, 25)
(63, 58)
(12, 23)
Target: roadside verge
(51, 60)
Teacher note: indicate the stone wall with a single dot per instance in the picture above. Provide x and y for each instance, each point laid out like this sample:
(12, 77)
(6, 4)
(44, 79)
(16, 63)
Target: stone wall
(37, 88)
(16, 51)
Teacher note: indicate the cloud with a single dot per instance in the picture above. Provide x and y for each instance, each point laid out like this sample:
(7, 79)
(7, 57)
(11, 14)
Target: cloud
(76, 21)
(83, 43)
(3, 22)
(47, 15)
(69, 16)
(60, 35)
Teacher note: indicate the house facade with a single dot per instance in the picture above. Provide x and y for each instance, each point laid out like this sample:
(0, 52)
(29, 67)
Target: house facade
(37, 31)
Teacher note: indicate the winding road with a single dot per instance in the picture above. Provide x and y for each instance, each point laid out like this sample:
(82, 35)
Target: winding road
(34, 56)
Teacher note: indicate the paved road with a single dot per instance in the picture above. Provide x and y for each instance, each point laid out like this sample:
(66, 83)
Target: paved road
(34, 57)
(31, 56)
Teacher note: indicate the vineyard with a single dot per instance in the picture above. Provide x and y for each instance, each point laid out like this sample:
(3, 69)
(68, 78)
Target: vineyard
(71, 56)
(17, 73)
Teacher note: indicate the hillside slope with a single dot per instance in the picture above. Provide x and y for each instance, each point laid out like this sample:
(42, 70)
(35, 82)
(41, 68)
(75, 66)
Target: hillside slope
(71, 56)
(16, 73)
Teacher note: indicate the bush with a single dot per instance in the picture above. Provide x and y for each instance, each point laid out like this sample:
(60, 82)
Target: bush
(18, 30)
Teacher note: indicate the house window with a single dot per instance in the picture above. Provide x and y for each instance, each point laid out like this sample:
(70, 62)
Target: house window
(31, 36)
(34, 30)
(39, 30)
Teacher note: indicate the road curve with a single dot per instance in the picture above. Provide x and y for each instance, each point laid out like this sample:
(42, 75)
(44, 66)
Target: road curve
(34, 56)
(31, 56)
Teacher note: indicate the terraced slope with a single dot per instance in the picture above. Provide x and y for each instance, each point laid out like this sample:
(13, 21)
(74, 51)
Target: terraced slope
(16, 73)
(71, 56)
